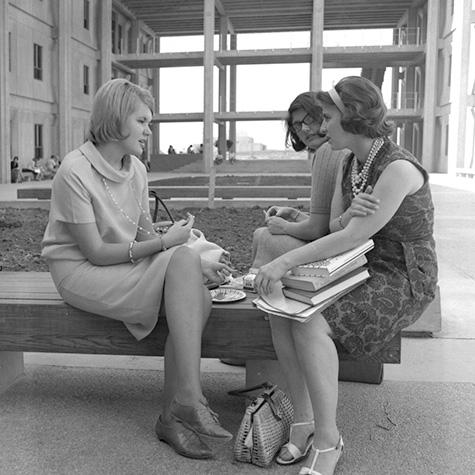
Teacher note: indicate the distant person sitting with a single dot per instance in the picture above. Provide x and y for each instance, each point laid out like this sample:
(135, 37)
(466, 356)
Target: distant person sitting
(16, 175)
(33, 168)
(49, 167)
(171, 150)
(190, 149)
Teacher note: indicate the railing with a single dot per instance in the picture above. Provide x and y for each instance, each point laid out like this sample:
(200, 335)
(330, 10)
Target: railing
(402, 36)
(388, 37)
(407, 100)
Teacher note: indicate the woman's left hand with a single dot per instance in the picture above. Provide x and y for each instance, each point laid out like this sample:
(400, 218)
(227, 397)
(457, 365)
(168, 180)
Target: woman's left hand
(216, 272)
(277, 225)
(268, 275)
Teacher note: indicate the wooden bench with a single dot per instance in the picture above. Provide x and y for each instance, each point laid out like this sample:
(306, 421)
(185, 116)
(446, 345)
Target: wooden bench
(34, 318)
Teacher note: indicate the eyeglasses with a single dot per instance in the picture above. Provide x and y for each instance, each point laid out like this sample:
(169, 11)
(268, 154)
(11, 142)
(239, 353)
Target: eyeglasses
(305, 124)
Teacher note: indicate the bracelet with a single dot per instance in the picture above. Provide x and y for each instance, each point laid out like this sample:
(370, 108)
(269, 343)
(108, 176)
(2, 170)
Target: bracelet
(340, 221)
(131, 255)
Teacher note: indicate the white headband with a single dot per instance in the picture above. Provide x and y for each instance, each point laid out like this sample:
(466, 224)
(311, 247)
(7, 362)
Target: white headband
(337, 99)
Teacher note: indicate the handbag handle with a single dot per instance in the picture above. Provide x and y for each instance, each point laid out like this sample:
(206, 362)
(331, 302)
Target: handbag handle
(242, 392)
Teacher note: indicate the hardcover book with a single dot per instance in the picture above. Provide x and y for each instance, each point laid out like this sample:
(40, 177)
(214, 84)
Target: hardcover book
(326, 267)
(347, 282)
(312, 283)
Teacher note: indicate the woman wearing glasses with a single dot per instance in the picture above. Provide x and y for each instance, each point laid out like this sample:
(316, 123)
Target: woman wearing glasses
(287, 228)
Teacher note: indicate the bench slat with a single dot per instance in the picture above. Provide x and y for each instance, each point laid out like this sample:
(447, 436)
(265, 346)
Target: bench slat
(225, 192)
(29, 322)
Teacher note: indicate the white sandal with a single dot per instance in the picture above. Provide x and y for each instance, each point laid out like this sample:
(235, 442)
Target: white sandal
(294, 451)
(310, 470)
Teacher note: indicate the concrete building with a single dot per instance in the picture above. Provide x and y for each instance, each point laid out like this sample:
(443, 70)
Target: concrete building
(246, 144)
(56, 53)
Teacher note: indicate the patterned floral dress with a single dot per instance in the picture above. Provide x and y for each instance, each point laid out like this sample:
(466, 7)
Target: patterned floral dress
(402, 265)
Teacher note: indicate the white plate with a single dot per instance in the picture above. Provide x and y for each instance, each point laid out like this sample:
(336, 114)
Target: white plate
(226, 295)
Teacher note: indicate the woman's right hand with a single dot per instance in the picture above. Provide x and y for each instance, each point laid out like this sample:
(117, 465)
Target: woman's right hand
(364, 203)
(179, 232)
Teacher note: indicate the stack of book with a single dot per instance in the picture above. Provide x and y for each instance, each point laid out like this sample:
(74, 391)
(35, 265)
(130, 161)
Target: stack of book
(310, 288)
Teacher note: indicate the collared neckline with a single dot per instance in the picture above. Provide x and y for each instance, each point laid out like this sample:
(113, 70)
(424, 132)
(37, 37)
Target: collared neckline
(94, 157)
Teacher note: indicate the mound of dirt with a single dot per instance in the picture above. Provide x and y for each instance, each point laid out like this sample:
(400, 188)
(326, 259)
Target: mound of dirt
(21, 231)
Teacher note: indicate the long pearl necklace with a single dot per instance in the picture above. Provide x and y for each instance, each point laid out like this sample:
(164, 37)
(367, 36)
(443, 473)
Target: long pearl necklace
(359, 179)
(126, 216)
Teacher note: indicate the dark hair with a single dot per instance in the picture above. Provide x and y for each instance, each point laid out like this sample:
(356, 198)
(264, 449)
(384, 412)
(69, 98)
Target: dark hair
(308, 102)
(365, 111)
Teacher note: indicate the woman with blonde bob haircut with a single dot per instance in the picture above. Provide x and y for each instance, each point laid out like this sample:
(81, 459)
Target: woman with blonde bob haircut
(382, 192)
(106, 258)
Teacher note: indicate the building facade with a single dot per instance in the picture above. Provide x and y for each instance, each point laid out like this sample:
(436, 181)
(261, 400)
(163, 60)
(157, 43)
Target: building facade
(58, 52)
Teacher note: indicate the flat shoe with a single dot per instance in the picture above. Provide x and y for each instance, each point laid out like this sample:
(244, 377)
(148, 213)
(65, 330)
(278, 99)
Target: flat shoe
(200, 419)
(182, 440)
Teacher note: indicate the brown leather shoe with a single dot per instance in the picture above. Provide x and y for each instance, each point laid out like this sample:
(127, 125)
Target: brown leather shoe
(201, 419)
(182, 440)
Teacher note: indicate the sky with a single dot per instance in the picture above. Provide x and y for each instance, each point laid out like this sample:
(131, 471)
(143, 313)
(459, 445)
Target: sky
(269, 87)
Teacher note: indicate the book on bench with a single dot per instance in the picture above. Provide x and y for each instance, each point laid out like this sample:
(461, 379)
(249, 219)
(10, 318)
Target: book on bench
(327, 267)
(292, 309)
(312, 283)
(339, 287)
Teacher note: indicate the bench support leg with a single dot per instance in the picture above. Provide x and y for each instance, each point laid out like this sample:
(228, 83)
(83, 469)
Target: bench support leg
(361, 371)
(11, 368)
(258, 371)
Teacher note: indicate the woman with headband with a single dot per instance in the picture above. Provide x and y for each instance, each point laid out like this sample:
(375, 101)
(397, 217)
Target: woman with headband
(382, 193)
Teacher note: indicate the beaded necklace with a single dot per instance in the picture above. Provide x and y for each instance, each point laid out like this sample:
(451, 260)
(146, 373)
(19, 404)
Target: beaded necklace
(359, 179)
(126, 216)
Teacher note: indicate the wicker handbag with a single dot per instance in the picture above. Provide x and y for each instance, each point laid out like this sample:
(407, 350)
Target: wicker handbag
(265, 426)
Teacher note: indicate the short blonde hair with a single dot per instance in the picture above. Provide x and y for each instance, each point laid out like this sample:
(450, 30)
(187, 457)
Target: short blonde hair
(113, 103)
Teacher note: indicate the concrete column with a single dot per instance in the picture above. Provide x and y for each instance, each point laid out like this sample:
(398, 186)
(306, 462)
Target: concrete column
(156, 95)
(106, 41)
(232, 97)
(466, 19)
(4, 97)
(223, 46)
(316, 66)
(430, 86)
(65, 77)
(208, 113)
(409, 99)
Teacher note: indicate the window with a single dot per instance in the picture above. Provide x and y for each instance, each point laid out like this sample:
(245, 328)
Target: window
(38, 140)
(85, 79)
(37, 62)
(446, 140)
(119, 39)
(86, 14)
(113, 32)
(10, 51)
(449, 72)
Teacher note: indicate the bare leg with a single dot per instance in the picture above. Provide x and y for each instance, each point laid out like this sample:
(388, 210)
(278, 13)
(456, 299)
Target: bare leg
(267, 246)
(186, 318)
(319, 361)
(295, 378)
(171, 387)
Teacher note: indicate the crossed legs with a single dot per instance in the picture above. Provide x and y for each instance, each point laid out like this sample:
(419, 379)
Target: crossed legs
(186, 416)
